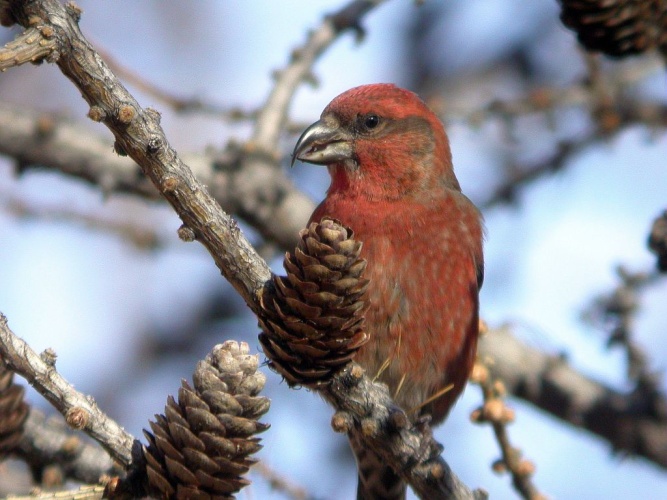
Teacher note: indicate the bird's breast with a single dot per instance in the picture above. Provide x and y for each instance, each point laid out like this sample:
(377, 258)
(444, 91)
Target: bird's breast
(422, 293)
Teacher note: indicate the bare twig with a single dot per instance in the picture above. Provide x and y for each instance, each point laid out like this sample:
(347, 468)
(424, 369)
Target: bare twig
(47, 141)
(33, 46)
(495, 412)
(80, 411)
(615, 313)
(143, 238)
(579, 93)
(93, 492)
(520, 176)
(610, 121)
(366, 408)
(273, 114)
(630, 422)
(601, 94)
(280, 483)
(48, 442)
(139, 135)
(175, 102)
(261, 152)
(190, 104)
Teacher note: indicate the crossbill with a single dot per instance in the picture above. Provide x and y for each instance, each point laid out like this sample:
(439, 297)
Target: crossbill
(393, 183)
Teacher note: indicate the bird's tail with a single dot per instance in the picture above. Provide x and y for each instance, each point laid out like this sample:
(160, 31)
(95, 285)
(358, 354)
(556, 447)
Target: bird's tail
(377, 481)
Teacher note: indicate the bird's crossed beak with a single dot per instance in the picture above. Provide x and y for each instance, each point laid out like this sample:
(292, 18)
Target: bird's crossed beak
(323, 143)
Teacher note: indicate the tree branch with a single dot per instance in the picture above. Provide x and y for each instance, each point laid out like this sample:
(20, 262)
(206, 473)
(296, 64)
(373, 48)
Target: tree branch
(365, 408)
(272, 117)
(541, 379)
(46, 141)
(80, 411)
(48, 442)
(518, 177)
(615, 313)
(32, 46)
(139, 135)
(631, 422)
(174, 101)
(499, 416)
(261, 153)
(282, 484)
(141, 235)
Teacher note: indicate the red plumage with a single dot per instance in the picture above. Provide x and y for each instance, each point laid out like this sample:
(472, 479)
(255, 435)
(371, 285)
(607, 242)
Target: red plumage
(393, 184)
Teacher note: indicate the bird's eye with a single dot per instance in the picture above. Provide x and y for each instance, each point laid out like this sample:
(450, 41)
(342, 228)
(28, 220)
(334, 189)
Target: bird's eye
(371, 121)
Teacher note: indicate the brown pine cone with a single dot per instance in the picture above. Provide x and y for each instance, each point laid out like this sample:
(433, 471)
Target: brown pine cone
(313, 317)
(201, 446)
(13, 411)
(617, 27)
(657, 241)
(6, 17)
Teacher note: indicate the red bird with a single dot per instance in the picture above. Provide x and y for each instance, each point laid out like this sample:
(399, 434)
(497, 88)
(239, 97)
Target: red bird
(393, 183)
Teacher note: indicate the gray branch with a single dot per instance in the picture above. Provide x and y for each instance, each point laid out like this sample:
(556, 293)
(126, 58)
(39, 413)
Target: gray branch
(633, 423)
(366, 410)
(80, 411)
(48, 442)
(139, 135)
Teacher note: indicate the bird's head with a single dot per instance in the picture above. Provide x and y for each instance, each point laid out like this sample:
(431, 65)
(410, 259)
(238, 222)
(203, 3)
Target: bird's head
(382, 141)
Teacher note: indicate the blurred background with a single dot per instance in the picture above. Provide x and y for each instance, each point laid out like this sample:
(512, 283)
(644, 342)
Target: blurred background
(129, 308)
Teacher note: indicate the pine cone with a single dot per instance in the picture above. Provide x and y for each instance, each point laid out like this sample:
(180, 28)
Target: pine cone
(314, 316)
(617, 27)
(657, 241)
(6, 17)
(200, 448)
(13, 411)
